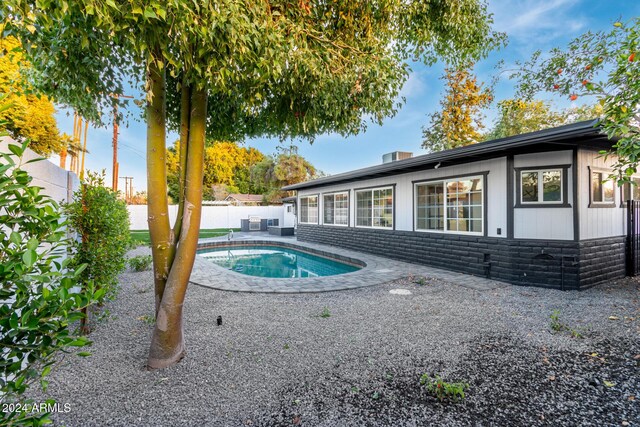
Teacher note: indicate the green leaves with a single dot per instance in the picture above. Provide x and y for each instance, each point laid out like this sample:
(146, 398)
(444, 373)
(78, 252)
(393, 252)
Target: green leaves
(38, 298)
(600, 65)
(102, 221)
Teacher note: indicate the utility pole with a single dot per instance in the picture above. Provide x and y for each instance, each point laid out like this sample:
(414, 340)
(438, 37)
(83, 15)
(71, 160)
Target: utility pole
(128, 188)
(114, 181)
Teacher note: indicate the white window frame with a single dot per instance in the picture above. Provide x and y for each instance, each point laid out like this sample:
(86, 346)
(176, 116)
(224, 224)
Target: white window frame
(334, 194)
(446, 208)
(317, 208)
(604, 174)
(540, 200)
(371, 190)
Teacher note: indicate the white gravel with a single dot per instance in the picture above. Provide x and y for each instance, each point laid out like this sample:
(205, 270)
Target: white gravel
(277, 361)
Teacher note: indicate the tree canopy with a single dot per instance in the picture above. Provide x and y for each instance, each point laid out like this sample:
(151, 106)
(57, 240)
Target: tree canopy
(604, 65)
(30, 115)
(517, 116)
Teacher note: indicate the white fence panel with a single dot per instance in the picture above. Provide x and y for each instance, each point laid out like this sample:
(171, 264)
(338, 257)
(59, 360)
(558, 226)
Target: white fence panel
(212, 216)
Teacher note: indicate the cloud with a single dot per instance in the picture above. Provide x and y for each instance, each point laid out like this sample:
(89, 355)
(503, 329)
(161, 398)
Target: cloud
(537, 22)
(415, 86)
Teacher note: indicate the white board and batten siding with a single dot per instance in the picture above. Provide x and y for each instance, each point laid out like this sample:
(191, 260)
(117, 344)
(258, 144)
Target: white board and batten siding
(544, 223)
(598, 222)
(404, 206)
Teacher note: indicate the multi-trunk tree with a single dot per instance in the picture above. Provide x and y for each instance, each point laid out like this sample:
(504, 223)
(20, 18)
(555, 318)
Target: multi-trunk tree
(232, 69)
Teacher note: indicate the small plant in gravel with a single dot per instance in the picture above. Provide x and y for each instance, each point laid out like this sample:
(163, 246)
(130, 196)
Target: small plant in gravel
(140, 262)
(421, 281)
(325, 313)
(558, 326)
(442, 389)
(149, 320)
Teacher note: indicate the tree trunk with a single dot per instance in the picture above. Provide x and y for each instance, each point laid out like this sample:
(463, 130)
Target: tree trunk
(185, 113)
(167, 343)
(158, 209)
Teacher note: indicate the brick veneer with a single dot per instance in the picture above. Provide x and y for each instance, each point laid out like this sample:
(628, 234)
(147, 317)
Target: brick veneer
(553, 264)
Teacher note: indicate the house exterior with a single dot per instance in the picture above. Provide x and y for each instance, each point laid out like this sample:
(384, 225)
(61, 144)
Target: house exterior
(245, 199)
(533, 209)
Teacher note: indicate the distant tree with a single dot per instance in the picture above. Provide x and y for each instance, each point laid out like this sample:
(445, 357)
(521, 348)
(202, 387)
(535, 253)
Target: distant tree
(140, 198)
(274, 172)
(516, 116)
(30, 116)
(459, 120)
(225, 163)
(604, 65)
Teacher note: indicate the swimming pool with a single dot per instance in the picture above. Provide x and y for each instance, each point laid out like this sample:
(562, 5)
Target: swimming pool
(274, 261)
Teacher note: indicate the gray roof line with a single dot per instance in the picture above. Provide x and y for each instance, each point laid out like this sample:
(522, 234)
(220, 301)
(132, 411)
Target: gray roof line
(547, 135)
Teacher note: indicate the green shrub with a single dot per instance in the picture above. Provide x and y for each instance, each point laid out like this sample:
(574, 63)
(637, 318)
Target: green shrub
(39, 299)
(140, 262)
(102, 223)
(442, 389)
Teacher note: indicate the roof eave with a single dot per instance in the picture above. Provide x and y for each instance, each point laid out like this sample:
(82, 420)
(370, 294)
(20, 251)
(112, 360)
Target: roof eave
(575, 130)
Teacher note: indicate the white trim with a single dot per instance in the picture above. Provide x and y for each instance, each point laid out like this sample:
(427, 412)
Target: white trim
(541, 187)
(371, 190)
(334, 194)
(445, 207)
(317, 209)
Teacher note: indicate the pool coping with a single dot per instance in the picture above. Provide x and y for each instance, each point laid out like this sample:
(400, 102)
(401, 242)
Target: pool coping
(354, 262)
(377, 270)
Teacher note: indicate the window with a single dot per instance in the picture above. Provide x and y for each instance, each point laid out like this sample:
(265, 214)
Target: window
(631, 191)
(374, 208)
(309, 209)
(455, 205)
(541, 186)
(602, 189)
(336, 208)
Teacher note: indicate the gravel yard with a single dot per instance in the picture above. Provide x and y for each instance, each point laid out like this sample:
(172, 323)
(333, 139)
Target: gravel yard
(355, 358)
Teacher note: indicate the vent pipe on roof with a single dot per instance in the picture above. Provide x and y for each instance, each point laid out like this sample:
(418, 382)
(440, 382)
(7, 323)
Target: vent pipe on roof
(396, 155)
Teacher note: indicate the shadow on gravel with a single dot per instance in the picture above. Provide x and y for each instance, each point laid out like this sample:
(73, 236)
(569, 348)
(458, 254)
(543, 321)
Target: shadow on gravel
(511, 383)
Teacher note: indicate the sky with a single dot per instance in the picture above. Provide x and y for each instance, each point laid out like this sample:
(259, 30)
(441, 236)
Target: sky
(529, 24)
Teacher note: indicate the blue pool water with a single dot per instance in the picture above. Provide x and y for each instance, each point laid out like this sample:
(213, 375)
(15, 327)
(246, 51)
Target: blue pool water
(272, 261)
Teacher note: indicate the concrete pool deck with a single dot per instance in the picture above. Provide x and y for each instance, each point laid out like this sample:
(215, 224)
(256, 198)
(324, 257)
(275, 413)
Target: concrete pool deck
(378, 270)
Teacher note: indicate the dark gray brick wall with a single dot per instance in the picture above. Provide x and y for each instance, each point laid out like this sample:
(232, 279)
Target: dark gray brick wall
(601, 260)
(553, 264)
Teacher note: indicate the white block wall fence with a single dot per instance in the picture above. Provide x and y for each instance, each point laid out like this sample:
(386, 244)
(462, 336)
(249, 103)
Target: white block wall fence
(212, 216)
(56, 182)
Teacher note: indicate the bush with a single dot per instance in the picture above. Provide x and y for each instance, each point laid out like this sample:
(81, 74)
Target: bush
(39, 299)
(102, 223)
(140, 262)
